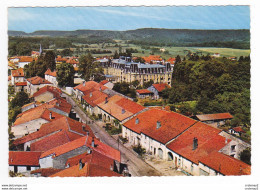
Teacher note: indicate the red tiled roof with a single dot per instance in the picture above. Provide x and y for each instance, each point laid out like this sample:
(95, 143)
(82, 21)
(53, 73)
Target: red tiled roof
(51, 73)
(72, 127)
(116, 104)
(61, 59)
(94, 158)
(38, 80)
(50, 142)
(95, 97)
(144, 91)
(72, 61)
(46, 172)
(238, 129)
(172, 124)
(89, 86)
(22, 158)
(55, 91)
(160, 87)
(91, 170)
(100, 147)
(216, 116)
(36, 103)
(25, 59)
(152, 58)
(103, 82)
(208, 140)
(21, 84)
(18, 72)
(171, 60)
(225, 164)
(35, 53)
(36, 113)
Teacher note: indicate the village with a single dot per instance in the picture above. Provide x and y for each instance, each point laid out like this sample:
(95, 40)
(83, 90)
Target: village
(93, 129)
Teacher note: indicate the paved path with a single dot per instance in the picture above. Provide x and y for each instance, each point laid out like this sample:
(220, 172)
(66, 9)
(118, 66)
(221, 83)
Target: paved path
(136, 166)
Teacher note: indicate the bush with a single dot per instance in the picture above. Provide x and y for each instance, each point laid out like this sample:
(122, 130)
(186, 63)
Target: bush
(139, 150)
(123, 140)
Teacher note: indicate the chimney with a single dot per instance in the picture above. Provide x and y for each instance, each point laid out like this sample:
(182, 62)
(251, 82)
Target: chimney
(57, 104)
(106, 100)
(87, 138)
(158, 124)
(50, 115)
(81, 165)
(93, 142)
(195, 143)
(123, 111)
(84, 83)
(100, 89)
(226, 141)
(83, 127)
(90, 95)
(136, 121)
(111, 167)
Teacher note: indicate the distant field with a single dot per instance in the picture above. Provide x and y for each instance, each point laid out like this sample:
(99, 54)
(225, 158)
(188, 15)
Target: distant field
(173, 51)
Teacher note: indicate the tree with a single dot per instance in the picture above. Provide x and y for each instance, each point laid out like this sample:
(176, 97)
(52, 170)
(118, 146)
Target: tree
(19, 100)
(65, 74)
(139, 60)
(35, 68)
(116, 55)
(49, 60)
(148, 84)
(66, 52)
(89, 69)
(135, 83)
(245, 156)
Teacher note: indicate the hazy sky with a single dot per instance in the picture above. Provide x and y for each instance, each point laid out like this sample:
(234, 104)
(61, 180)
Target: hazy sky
(127, 18)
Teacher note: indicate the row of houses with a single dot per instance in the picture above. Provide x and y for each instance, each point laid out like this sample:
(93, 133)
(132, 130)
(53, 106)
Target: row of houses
(190, 145)
(50, 143)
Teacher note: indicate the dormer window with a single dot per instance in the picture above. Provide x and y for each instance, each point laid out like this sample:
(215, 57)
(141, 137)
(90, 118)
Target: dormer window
(158, 124)
(136, 121)
(123, 111)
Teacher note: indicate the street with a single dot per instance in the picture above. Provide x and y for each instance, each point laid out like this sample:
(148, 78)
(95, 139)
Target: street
(136, 166)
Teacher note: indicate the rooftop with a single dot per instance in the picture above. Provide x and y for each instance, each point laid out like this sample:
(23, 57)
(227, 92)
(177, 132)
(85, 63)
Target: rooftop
(38, 80)
(24, 158)
(171, 124)
(55, 91)
(51, 73)
(160, 87)
(144, 91)
(120, 107)
(95, 97)
(18, 72)
(216, 116)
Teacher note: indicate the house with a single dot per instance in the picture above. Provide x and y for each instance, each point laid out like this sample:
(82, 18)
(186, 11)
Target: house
(60, 60)
(73, 60)
(236, 131)
(58, 156)
(85, 87)
(32, 119)
(30, 106)
(108, 84)
(17, 76)
(47, 93)
(92, 99)
(157, 89)
(216, 55)
(181, 141)
(53, 134)
(153, 59)
(215, 120)
(35, 83)
(20, 87)
(118, 108)
(24, 60)
(51, 76)
(23, 162)
(144, 93)
(153, 128)
(35, 54)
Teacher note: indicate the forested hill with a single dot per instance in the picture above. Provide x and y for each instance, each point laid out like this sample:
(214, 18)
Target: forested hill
(153, 36)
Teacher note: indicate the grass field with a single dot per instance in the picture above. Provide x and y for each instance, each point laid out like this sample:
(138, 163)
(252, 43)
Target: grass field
(173, 51)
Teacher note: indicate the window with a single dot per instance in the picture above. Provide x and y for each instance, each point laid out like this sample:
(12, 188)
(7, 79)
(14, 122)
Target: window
(191, 168)
(28, 168)
(233, 148)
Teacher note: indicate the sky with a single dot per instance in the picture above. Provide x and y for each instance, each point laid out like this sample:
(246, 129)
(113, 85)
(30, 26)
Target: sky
(30, 19)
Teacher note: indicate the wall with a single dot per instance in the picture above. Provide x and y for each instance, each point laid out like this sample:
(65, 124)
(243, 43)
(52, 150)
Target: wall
(46, 162)
(28, 127)
(131, 136)
(239, 145)
(46, 96)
